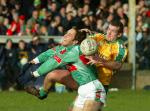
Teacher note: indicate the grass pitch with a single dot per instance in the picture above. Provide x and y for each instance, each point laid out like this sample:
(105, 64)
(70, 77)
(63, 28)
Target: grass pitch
(123, 100)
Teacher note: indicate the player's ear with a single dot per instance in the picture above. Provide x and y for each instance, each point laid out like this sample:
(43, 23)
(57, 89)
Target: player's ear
(119, 35)
(75, 42)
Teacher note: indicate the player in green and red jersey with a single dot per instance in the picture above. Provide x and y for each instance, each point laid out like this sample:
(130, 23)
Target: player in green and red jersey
(90, 90)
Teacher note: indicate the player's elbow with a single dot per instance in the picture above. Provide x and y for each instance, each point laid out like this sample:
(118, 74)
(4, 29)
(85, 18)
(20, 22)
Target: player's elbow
(117, 66)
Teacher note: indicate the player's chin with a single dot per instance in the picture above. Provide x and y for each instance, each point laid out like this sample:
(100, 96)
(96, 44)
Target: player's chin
(109, 39)
(64, 43)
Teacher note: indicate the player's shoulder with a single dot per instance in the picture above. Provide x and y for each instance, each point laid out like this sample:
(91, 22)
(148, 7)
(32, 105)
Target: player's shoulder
(121, 44)
(118, 46)
(121, 47)
(73, 48)
(76, 47)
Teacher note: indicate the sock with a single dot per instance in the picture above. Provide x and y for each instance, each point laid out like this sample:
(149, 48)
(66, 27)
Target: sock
(42, 92)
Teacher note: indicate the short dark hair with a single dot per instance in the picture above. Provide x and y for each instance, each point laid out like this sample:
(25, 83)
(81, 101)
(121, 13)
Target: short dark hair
(9, 40)
(21, 41)
(117, 23)
(80, 35)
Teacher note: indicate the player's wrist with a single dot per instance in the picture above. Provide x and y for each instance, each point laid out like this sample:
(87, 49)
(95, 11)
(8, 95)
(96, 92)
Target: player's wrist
(36, 60)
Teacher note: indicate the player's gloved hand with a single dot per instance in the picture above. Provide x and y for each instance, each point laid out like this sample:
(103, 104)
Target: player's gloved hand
(32, 62)
(95, 59)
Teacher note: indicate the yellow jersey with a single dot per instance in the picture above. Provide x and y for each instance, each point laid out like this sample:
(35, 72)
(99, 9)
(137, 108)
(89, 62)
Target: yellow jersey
(111, 51)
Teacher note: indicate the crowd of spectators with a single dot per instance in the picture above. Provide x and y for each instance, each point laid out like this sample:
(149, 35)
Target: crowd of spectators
(13, 58)
(55, 17)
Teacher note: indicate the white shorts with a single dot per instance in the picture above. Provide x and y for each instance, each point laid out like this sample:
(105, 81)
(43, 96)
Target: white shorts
(93, 90)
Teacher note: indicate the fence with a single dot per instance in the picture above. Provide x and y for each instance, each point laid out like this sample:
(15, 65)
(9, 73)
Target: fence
(16, 39)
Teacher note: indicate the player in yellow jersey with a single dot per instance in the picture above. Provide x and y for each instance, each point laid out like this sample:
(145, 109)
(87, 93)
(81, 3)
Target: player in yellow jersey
(111, 52)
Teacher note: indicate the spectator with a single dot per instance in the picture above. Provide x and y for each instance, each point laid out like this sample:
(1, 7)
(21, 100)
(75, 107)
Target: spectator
(60, 31)
(122, 16)
(108, 20)
(52, 28)
(36, 28)
(117, 4)
(3, 28)
(32, 22)
(86, 9)
(2, 69)
(35, 47)
(42, 13)
(86, 22)
(70, 8)
(22, 25)
(37, 4)
(23, 54)
(51, 43)
(17, 6)
(92, 21)
(99, 26)
(78, 19)
(15, 26)
(125, 8)
(141, 7)
(10, 64)
(102, 9)
(69, 21)
(47, 19)
(52, 7)
(6, 23)
(111, 9)
(62, 12)
(3, 2)
(43, 30)
(57, 20)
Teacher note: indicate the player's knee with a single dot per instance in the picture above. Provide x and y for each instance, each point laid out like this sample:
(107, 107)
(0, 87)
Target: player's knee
(52, 77)
(91, 105)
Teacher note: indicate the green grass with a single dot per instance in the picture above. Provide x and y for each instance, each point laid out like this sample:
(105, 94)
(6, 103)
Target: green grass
(123, 100)
(126, 100)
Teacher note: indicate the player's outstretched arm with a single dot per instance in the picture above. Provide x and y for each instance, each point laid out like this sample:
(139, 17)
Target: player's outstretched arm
(56, 61)
(43, 57)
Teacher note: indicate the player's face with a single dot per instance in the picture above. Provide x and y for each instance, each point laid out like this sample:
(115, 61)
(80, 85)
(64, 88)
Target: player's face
(112, 33)
(68, 38)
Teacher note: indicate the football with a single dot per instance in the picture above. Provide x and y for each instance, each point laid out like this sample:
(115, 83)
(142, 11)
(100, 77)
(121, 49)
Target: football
(88, 46)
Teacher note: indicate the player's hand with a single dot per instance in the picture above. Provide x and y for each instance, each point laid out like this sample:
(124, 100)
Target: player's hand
(91, 59)
(86, 30)
(95, 60)
(32, 62)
